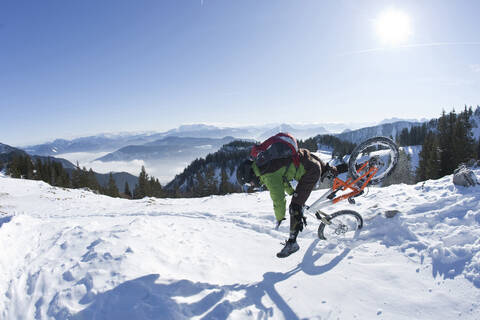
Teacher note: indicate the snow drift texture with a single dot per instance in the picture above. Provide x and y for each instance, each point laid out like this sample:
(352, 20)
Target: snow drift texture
(71, 254)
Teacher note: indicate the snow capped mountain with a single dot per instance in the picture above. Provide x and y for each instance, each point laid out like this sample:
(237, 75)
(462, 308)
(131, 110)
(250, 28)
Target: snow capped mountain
(299, 133)
(6, 148)
(7, 153)
(109, 142)
(386, 130)
(102, 142)
(71, 254)
(185, 149)
(393, 120)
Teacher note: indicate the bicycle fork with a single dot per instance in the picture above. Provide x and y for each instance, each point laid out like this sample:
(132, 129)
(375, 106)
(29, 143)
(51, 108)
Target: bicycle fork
(320, 215)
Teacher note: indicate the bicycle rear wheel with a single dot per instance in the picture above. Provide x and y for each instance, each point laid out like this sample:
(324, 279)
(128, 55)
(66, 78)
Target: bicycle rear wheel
(343, 224)
(379, 152)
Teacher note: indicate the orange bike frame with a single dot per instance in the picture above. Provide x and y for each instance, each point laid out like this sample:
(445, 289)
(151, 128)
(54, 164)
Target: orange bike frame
(339, 185)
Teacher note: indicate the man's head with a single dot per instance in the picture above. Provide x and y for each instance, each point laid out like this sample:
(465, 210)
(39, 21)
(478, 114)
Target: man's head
(245, 173)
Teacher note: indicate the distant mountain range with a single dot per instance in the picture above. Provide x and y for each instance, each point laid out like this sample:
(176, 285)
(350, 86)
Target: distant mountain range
(169, 148)
(386, 130)
(165, 153)
(7, 153)
(114, 142)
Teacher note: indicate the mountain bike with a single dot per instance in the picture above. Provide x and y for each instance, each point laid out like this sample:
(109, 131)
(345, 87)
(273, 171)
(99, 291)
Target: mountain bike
(369, 164)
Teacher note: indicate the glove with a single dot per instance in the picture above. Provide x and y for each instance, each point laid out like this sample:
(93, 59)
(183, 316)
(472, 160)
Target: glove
(296, 216)
(329, 172)
(279, 223)
(342, 167)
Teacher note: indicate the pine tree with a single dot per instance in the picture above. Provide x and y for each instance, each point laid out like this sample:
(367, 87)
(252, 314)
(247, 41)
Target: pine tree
(463, 141)
(14, 169)
(310, 144)
(60, 176)
(210, 182)
(76, 176)
(224, 187)
(112, 189)
(445, 134)
(429, 163)
(433, 166)
(478, 149)
(29, 167)
(92, 182)
(403, 138)
(140, 190)
(127, 191)
(199, 188)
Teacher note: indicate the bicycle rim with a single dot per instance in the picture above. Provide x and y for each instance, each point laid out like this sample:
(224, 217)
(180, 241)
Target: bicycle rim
(380, 152)
(343, 225)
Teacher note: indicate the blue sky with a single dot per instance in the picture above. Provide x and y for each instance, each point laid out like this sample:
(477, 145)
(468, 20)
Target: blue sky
(72, 68)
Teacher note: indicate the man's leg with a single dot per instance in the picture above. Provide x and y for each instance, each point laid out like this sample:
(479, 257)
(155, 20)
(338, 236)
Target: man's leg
(296, 220)
(296, 225)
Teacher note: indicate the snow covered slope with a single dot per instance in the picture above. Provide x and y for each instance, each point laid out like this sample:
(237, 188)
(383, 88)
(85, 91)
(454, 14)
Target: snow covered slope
(71, 254)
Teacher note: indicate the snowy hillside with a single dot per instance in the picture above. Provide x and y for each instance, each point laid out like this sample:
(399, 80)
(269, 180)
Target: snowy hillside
(71, 254)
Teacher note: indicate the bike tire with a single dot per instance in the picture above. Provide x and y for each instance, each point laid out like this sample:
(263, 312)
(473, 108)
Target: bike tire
(358, 155)
(343, 218)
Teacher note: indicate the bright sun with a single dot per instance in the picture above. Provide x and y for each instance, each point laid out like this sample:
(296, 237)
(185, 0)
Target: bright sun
(393, 27)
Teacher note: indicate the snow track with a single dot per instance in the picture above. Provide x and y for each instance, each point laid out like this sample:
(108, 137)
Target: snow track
(71, 254)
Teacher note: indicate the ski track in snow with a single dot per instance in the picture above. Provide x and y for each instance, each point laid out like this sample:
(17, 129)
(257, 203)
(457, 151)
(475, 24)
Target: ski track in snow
(71, 254)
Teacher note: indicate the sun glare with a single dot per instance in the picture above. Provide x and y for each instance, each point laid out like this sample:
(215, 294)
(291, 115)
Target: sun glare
(393, 27)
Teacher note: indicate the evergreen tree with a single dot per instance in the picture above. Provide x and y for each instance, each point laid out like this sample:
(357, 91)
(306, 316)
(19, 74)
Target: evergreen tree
(403, 137)
(429, 162)
(111, 188)
(224, 187)
(127, 191)
(463, 141)
(310, 144)
(478, 149)
(84, 180)
(445, 134)
(14, 168)
(76, 176)
(199, 189)
(140, 190)
(92, 182)
(154, 188)
(210, 182)
(60, 177)
(157, 190)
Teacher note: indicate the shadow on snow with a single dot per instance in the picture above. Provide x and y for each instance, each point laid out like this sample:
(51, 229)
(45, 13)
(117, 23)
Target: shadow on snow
(142, 298)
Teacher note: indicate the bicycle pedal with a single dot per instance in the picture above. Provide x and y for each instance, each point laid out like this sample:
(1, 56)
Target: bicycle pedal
(351, 200)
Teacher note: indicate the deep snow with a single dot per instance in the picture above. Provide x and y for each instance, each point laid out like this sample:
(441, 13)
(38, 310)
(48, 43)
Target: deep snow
(71, 254)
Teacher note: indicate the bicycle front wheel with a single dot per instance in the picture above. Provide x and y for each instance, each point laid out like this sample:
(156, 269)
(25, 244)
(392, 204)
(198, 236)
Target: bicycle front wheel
(342, 224)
